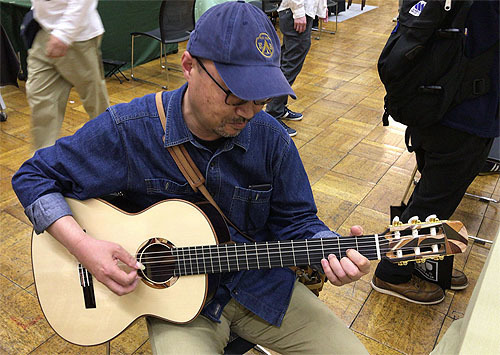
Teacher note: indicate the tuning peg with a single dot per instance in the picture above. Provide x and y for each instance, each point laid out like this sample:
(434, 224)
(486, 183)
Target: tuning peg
(414, 220)
(396, 222)
(432, 218)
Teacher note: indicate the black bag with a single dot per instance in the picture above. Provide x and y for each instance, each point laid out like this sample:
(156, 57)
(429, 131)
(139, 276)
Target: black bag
(29, 29)
(423, 64)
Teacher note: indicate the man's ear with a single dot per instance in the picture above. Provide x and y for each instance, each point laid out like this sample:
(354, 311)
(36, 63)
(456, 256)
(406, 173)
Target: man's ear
(187, 64)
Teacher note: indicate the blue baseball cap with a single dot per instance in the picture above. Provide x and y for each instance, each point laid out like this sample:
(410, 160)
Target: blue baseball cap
(240, 39)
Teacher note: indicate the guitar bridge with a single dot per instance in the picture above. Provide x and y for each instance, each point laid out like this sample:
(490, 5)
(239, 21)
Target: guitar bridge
(87, 286)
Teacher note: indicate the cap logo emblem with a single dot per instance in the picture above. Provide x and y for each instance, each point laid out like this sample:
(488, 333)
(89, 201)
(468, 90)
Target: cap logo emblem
(264, 45)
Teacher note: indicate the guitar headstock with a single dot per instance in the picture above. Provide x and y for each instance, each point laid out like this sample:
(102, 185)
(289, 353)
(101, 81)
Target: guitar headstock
(418, 241)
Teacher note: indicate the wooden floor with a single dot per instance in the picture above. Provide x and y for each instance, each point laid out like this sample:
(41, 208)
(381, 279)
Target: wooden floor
(357, 169)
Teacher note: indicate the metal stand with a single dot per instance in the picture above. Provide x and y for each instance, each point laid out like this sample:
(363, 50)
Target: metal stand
(3, 115)
(320, 23)
(115, 68)
(480, 198)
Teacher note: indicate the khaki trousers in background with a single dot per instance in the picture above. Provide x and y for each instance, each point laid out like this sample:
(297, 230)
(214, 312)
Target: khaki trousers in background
(309, 327)
(50, 81)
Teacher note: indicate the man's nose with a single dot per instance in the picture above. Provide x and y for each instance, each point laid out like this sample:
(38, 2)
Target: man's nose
(248, 110)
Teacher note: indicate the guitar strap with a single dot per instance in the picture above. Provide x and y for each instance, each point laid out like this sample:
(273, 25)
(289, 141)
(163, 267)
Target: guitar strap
(189, 169)
(311, 278)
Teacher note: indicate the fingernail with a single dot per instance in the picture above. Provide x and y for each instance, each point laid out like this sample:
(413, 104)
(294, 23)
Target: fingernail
(139, 266)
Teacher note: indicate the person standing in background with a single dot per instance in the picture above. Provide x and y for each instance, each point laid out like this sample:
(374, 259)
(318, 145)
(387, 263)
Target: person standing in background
(449, 156)
(66, 53)
(295, 19)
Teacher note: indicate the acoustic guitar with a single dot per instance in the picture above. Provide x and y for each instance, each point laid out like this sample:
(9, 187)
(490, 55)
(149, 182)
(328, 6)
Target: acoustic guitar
(180, 243)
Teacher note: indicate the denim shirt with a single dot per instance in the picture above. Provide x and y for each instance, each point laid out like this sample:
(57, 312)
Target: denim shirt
(123, 150)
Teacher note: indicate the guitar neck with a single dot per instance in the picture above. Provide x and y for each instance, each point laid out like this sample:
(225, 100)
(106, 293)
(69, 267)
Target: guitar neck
(266, 255)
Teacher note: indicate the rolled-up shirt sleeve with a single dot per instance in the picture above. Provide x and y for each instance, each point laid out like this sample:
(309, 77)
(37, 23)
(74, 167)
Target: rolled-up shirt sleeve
(46, 210)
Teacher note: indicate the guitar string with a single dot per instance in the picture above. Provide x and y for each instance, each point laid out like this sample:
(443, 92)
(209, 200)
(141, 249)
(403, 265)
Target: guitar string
(177, 270)
(253, 251)
(346, 241)
(302, 244)
(182, 267)
(252, 263)
(308, 248)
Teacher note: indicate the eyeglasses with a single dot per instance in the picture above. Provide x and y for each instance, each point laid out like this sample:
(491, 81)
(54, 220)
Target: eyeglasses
(232, 99)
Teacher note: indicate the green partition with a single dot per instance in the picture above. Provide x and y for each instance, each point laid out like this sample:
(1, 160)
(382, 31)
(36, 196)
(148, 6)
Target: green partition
(119, 17)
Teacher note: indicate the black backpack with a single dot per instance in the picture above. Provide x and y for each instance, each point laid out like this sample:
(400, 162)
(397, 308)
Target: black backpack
(423, 64)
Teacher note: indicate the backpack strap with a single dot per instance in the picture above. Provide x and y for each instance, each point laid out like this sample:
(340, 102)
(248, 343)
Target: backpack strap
(189, 169)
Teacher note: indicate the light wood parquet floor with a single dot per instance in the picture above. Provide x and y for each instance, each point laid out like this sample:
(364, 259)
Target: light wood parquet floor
(357, 169)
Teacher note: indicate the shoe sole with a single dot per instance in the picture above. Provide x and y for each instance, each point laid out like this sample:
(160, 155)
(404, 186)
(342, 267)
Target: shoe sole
(395, 294)
(292, 119)
(458, 288)
(285, 117)
(292, 134)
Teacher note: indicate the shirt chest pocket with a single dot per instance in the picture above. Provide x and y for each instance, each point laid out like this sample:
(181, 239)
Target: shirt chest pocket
(250, 208)
(168, 188)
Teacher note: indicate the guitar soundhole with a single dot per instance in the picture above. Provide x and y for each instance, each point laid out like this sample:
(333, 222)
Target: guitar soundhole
(156, 255)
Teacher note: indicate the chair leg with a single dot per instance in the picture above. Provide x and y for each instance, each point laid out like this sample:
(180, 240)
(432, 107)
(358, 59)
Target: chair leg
(320, 24)
(164, 87)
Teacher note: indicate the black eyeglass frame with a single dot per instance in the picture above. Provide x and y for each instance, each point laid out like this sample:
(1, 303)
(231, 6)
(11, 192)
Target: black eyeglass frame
(229, 93)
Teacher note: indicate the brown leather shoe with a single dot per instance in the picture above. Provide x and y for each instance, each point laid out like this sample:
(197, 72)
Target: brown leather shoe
(458, 280)
(416, 290)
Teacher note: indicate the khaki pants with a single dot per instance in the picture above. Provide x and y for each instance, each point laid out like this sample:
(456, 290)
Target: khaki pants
(309, 327)
(50, 81)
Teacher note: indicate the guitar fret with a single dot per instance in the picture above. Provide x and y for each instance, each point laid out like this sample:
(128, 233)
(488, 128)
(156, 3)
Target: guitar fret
(268, 255)
(227, 257)
(190, 261)
(203, 258)
(257, 255)
(307, 250)
(218, 255)
(184, 258)
(279, 249)
(293, 253)
(322, 248)
(236, 257)
(340, 251)
(246, 255)
(196, 258)
(211, 259)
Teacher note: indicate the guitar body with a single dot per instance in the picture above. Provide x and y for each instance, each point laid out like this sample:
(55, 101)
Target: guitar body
(58, 280)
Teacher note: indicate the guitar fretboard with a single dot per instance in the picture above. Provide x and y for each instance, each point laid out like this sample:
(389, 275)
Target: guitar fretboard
(265, 255)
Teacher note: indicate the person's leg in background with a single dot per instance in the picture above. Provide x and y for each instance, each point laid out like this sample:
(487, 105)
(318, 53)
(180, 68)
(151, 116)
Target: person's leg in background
(82, 67)
(293, 54)
(47, 93)
(448, 160)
